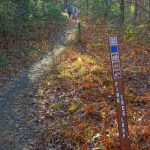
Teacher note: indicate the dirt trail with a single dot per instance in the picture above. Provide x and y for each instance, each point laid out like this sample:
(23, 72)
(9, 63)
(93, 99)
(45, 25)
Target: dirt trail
(13, 128)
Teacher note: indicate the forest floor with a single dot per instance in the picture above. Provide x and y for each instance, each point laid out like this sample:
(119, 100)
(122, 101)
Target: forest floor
(14, 131)
(66, 102)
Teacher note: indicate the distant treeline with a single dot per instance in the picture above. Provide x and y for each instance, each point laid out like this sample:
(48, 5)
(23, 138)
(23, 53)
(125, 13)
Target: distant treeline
(131, 16)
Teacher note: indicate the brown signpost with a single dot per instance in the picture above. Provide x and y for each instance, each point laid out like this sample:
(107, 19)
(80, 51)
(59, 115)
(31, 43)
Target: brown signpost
(119, 94)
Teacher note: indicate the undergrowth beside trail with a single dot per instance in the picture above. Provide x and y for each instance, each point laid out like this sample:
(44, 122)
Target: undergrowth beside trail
(18, 54)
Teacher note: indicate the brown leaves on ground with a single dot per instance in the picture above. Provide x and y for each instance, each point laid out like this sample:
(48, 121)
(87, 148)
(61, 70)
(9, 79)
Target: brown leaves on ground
(78, 97)
(20, 53)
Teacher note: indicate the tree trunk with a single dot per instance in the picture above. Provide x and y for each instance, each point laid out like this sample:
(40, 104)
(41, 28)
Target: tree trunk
(128, 6)
(149, 18)
(87, 7)
(135, 12)
(122, 13)
(65, 4)
(149, 11)
(107, 9)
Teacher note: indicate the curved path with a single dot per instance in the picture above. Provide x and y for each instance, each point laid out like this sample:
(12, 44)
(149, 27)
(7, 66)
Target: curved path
(13, 128)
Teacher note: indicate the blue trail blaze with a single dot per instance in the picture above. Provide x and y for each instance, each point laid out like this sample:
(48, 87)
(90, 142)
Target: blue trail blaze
(114, 49)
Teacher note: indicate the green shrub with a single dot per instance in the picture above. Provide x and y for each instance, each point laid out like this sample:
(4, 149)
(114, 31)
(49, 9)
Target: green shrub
(98, 8)
(58, 105)
(114, 14)
(8, 17)
(129, 32)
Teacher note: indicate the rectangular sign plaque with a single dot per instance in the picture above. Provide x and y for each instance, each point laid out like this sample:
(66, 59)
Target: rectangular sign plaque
(119, 94)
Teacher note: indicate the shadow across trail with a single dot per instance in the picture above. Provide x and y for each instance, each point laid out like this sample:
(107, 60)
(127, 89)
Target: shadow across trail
(13, 127)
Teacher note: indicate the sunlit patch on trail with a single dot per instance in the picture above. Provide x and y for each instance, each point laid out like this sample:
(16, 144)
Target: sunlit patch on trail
(40, 67)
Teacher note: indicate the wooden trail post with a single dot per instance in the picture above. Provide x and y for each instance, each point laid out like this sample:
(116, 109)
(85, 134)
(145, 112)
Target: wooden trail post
(79, 31)
(119, 94)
